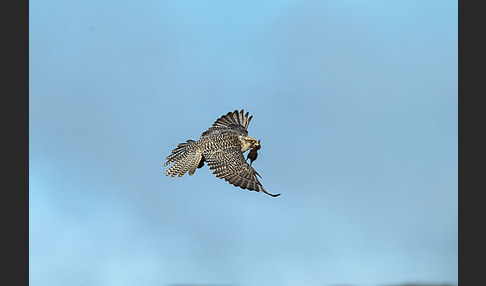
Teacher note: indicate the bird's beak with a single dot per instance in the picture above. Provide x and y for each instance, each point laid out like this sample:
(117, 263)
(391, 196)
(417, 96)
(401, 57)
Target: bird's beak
(258, 143)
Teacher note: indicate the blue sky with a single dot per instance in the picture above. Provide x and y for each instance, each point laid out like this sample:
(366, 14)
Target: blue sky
(355, 104)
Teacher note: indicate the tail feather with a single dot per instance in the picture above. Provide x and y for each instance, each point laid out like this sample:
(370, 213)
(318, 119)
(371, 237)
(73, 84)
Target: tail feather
(178, 152)
(185, 160)
(196, 159)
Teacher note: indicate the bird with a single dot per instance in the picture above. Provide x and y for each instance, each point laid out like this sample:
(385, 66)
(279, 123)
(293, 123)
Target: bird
(253, 154)
(222, 147)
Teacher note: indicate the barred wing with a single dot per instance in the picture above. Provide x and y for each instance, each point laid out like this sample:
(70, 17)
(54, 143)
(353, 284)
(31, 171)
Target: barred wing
(230, 165)
(235, 122)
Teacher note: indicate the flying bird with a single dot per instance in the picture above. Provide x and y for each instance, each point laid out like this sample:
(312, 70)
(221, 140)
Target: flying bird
(221, 147)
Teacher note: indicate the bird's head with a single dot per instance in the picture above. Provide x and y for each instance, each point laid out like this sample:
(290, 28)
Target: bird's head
(247, 143)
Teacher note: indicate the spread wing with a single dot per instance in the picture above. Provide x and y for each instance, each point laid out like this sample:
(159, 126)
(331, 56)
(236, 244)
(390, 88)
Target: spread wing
(235, 122)
(230, 165)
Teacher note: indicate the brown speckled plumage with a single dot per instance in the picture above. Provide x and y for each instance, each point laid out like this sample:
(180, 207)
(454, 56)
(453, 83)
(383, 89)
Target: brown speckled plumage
(221, 147)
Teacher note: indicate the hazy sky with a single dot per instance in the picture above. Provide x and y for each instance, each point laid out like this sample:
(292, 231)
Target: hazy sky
(355, 104)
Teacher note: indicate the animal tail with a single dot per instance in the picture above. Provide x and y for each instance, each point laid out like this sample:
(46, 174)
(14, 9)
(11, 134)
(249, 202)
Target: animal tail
(185, 159)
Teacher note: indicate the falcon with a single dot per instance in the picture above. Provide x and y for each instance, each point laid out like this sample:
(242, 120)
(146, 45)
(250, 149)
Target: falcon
(222, 147)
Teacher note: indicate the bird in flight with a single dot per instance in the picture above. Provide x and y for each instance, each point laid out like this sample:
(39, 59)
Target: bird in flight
(222, 147)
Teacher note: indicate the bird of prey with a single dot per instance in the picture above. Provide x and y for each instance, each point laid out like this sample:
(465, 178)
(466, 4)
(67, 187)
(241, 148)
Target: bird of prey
(253, 154)
(222, 147)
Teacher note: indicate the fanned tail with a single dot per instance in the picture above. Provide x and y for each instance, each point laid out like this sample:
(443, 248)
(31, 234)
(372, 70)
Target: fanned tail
(185, 160)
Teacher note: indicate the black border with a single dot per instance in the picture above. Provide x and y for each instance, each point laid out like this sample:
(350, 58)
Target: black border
(15, 141)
